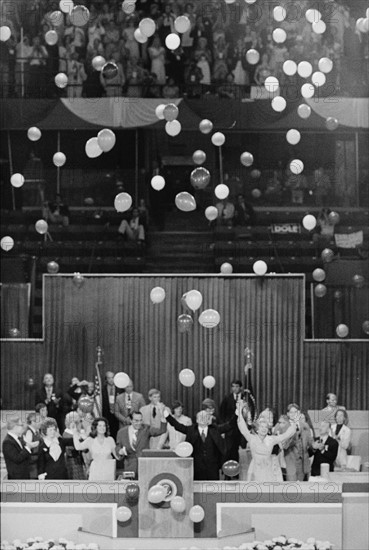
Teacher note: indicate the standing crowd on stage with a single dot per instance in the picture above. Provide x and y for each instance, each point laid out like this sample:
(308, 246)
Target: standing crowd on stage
(64, 439)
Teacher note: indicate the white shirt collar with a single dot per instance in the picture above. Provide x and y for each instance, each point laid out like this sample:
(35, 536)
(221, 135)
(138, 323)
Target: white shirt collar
(16, 439)
(205, 430)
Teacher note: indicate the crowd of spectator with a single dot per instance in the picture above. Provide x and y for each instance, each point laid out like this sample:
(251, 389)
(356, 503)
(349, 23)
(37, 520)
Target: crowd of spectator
(211, 57)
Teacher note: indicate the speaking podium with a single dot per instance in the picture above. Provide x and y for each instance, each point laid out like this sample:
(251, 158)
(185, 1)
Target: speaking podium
(176, 476)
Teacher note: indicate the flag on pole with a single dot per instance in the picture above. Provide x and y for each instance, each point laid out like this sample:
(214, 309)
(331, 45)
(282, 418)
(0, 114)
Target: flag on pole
(98, 384)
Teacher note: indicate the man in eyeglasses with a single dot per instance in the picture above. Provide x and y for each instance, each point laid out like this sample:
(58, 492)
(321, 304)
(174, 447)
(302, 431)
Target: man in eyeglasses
(17, 452)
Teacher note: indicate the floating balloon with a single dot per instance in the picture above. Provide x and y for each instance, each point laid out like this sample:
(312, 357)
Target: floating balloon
(226, 268)
(252, 56)
(56, 18)
(34, 133)
(173, 128)
(122, 202)
(221, 191)
(218, 139)
(342, 330)
(79, 16)
(279, 36)
(123, 514)
(41, 227)
(319, 275)
(331, 123)
(159, 111)
(59, 159)
(255, 174)
(17, 180)
(170, 112)
(320, 291)
(61, 80)
(289, 67)
(86, 404)
(199, 157)
(89, 201)
(141, 38)
(304, 68)
(211, 213)
(106, 139)
(158, 183)
(319, 27)
(172, 41)
(256, 193)
(92, 148)
(147, 27)
(157, 295)
(231, 468)
(358, 281)
(109, 70)
(5, 33)
(209, 382)
(187, 378)
(178, 504)
(182, 24)
(313, 16)
(271, 84)
(205, 126)
(98, 62)
(309, 222)
(293, 136)
(184, 323)
(296, 166)
(122, 380)
(129, 6)
(7, 243)
(365, 327)
(307, 91)
(52, 267)
(196, 514)
(278, 103)
(78, 280)
(279, 13)
(260, 267)
(337, 295)
(14, 333)
(51, 38)
(334, 218)
(304, 111)
(246, 158)
(209, 318)
(66, 6)
(185, 202)
(156, 494)
(193, 299)
(327, 255)
(325, 64)
(318, 79)
(184, 449)
(200, 177)
(132, 492)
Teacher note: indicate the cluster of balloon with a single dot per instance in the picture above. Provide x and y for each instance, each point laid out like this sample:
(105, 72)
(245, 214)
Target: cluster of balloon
(209, 382)
(52, 267)
(205, 126)
(78, 280)
(156, 494)
(231, 468)
(184, 323)
(211, 213)
(187, 378)
(157, 295)
(193, 299)
(293, 136)
(159, 111)
(59, 159)
(218, 139)
(365, 327)
(6, 243)
(199, 157)
(331, 123)
(122, 380)
(5, 33)
(34, 133)
(334, 218)
(14, 333)
(327, 255)
(92, 148)
(178, 504)
(319, 275)
(309, 222)
(86, 404)
(122, 202)
(141, 38)
(158, 183)
(260, 267)
(226, 268)
(123, 514)
(246, 159)
(41, 227)
(185, 202)
(17, 180)
(196, 514)
(61, 80)
(106, 140)
(320, 290)
(209, 318)
(342, 330)
(221, 191)
(184, 449)
(358, 281)
(132, 492)
(200, 177)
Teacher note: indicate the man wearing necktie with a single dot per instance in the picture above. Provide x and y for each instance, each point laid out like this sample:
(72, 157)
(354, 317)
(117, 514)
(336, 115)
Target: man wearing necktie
(17, 453)
(151, 415)
(126, 403)
(233, 438)
(109, 395)
(296, 449)
(324, 449)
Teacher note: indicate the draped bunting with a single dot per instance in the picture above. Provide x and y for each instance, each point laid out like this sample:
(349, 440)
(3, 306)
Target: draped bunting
(349, 111)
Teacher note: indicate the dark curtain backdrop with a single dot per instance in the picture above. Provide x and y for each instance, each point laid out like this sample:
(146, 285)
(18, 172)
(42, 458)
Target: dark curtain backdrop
(15, 304)
(142, 339)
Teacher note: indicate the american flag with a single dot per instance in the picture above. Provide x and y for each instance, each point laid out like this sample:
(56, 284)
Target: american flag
(98, 385)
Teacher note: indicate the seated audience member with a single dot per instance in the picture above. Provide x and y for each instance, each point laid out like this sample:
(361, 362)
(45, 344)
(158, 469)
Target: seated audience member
(328, 413)
(74, 461)
(56, 212)
(208, 405)
(53, 398)
(17, 453)
(127, 403)
(244, 213)
(51, 460)
(33, 434)
(175, 437)
(324, 449)
(226, 212)
(134, 228)
(297, 448)
(152, 416)
(342, 434)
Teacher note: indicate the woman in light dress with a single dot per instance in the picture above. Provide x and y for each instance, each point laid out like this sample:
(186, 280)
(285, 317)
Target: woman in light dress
(262, 466)
(173, 435)
(342, 434)
(157, 56)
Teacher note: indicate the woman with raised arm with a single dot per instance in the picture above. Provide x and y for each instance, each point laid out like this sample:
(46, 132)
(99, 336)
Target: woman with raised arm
(261, 446)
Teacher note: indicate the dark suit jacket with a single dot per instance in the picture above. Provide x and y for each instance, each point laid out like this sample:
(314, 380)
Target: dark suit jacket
(17, 460)
(143, 442)
(105, 400)
(54, 410)
(234, 438)
(326, 457)
(54, 470)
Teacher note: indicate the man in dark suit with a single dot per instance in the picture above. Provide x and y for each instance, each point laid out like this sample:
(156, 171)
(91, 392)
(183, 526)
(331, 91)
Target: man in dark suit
(109, 395)
(126, 403)
(132, 439)
(233, 438)
(53, 398)
(209, 448)
(17, 453)
(324, 449)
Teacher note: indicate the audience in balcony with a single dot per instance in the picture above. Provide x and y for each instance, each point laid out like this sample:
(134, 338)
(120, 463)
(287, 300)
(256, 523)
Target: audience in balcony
(226, 212)
(134, 227)
(56, 212)
(244, 213)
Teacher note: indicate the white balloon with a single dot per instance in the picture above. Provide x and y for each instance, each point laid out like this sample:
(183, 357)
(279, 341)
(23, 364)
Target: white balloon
(304, 69)
(296, 166)
(318, 79)
(211, 213)
(279, 36)
(325, 65)
(182, 23)
(205, 126)
(173, 127)
(193, 299)
(226, 268)
(7, 243)
(59, 159)
(307, 90)
(209, 382)
(158, 183)
(159, 111)
(51, 38)
(260, 267)
(17, 180)
(61, 80)
(172, 41)
(271, 84)
(98, 62)
(141, 38)
(304, 111)
(218, 139)
(221, 191)
(319, 27)
(147, 27)
(122, 380)
(279, 13)
(289, 67)
(293, 136)
(34, 133)
(5, 33)
(157, 295)
(184, 449)
(66, 6)
(209, 318)
(309, 222)
(278, 103)
(313, 16)
(187, 378)
(92, 148)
